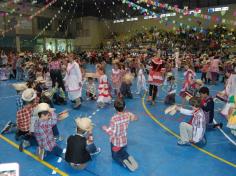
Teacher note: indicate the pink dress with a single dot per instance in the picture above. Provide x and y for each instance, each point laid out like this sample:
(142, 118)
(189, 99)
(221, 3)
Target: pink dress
(104, 95)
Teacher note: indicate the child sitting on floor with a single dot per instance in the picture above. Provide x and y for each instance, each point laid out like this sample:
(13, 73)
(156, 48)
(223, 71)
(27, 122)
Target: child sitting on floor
(118, 135)
(80, 146)
(91, 89)
(171, 90)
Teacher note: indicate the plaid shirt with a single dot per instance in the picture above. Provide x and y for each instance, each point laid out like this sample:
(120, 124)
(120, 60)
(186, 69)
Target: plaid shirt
(55, 65)
(19, 102)
(44, 134)
(118, 129)
(23, 117)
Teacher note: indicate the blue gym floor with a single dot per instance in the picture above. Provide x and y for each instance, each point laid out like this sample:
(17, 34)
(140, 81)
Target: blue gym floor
(151, 140)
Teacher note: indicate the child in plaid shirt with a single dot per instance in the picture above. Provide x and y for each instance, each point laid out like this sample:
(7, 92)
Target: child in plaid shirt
(118, 135)
(43, 131)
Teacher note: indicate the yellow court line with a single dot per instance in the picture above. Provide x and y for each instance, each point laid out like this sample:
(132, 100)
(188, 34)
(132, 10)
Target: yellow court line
(177, 136)
(35, 157)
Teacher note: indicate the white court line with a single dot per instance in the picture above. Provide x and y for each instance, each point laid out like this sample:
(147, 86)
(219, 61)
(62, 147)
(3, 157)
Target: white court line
(59, 161)
(227, 137)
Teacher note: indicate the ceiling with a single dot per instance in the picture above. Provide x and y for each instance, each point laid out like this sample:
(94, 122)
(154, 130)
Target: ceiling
(114, 9)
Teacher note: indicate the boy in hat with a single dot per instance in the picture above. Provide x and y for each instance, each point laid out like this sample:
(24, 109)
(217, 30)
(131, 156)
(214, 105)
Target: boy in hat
(80, 146)
(43, 131)
(118, 135)
(194, 130)
(23, 118)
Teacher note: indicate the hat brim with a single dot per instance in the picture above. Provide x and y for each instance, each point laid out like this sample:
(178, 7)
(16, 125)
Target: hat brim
(30, 99)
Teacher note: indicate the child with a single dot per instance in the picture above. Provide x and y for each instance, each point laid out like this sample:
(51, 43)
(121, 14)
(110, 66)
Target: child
(80, 146)
(104, 95)
(91, 89)
(118, 135)
(141, 82)
(125, 89)
(171, 90)
(43, 131)
(232, 115)
(116, 77)
(204, 70)
(192, 132)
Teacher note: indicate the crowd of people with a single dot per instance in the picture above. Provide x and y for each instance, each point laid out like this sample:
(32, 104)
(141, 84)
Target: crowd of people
(51, 79)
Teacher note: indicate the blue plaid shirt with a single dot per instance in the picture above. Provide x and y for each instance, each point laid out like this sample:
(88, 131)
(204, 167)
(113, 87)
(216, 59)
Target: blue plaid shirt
(19, 102)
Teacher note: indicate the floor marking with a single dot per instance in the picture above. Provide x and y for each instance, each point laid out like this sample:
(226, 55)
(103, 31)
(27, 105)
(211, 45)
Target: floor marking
(227, 137)
(48, 165)
(59, 160)
(177, 136)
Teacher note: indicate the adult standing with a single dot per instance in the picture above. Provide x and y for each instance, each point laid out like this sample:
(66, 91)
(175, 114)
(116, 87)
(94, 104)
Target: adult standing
(73, 81)
(55, 73)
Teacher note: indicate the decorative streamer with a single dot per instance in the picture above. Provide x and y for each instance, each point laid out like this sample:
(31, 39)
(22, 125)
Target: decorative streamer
(52, 19)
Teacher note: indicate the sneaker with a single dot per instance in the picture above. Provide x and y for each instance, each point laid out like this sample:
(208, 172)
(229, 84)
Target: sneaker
(129, 165)
(133, 161)
(183, 143)
(24, 144)
(97, 151)
(40, 153)
(6, 128)
(59, 138)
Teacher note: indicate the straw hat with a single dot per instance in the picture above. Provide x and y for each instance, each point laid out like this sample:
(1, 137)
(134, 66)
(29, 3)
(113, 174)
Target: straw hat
(22, 54)
(128, 78)
(63, 115)
(40, 79)
(29, 95)
(116, 61)
(84, 123)
(169, 74)
(171, 110)
(157, 60)
(199, 82)
(19, 86)
(43, 107)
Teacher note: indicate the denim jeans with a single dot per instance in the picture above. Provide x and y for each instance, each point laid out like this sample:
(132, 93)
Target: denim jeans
(119, 156)
(57, 151)
(55, 131)
(91, 148)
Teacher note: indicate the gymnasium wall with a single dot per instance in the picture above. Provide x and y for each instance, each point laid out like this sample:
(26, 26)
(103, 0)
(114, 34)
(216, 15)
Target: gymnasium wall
(141, 24)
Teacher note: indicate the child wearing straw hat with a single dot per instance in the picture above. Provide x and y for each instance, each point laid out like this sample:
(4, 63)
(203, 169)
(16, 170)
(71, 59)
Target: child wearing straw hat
(43, 131)
(80, 146)
(125, 89)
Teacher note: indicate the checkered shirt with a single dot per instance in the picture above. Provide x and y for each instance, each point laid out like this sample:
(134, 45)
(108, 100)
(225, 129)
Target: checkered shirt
(118, 128)
(23, 117)
(44, 134)
(19, 102)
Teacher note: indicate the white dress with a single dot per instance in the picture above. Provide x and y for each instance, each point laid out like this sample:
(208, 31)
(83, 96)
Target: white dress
(73, 81)
(104, 95)
(141, 81)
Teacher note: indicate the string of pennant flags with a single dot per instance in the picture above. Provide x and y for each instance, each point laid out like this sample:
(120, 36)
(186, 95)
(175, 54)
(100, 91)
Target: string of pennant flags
(155, 3)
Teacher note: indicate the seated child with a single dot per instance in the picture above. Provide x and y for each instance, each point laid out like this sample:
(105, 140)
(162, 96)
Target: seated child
(43, 131)
(125, 89)
(91, 89)
(171, 90)
(118, 135)
(193, 131)
(80, 146)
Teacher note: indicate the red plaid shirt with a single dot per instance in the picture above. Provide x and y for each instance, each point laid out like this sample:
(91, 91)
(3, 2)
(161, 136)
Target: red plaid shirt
(44, 134)
(118, 128)
(23, 117)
